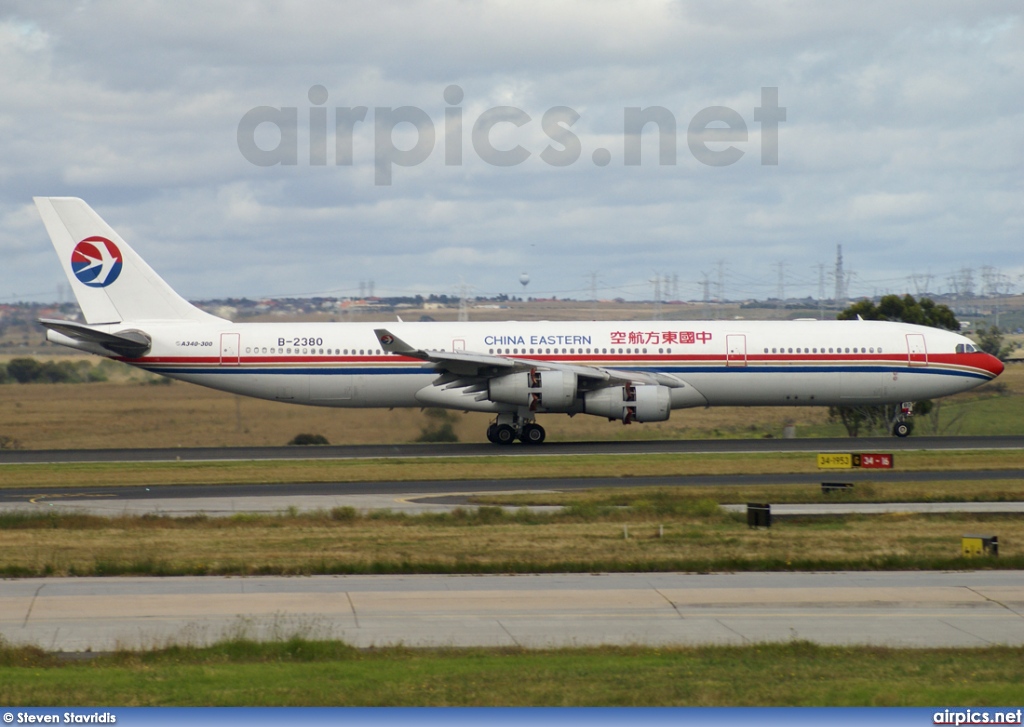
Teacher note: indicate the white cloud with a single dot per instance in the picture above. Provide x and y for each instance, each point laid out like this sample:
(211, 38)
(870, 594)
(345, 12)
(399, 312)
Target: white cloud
(903, 141)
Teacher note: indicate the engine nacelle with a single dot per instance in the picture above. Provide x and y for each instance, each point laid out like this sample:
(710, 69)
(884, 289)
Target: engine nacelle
(536, 390)
(644, 403)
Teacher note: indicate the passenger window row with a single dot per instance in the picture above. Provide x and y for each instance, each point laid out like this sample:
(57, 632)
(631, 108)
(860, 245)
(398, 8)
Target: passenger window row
(524, 351)
(839, 349)
(315, 351)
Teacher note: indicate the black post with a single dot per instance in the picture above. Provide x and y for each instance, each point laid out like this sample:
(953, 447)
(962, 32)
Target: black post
(759, 515)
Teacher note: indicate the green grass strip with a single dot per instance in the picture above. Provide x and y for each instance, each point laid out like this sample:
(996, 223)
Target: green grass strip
(306, 673)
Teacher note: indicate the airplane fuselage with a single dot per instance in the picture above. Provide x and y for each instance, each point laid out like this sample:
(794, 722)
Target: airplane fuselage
(722, 363)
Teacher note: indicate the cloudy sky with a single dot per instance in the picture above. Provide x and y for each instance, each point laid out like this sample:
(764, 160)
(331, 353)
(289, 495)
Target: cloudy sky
(903, 141)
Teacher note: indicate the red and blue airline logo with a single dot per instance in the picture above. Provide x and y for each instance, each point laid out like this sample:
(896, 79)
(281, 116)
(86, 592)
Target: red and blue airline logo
(96, 262)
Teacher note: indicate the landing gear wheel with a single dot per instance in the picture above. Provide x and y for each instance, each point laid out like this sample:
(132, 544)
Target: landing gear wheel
(504, 434)
(901, 429)
(492, 434)
(532, 434)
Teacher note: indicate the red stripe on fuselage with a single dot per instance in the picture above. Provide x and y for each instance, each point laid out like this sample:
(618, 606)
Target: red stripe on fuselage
(977, 361)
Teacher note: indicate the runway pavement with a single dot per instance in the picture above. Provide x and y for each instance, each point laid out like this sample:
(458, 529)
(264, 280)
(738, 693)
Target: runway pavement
(196, 454)
(900, 609)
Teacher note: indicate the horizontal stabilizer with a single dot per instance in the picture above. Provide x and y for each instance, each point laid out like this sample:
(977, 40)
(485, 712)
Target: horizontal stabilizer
(129, 343)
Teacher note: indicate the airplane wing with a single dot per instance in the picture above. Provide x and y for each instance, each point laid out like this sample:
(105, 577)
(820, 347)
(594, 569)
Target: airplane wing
(462, 368)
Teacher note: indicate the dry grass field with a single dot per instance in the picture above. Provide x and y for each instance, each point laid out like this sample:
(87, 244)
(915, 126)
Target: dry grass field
(697, 536)
(133, 412)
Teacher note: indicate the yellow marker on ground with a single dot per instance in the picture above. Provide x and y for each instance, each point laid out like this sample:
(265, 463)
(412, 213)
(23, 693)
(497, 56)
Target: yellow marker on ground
(972, 546)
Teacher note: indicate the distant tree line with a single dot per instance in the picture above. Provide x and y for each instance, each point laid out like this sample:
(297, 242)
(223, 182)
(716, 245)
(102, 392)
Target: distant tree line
(31, 371)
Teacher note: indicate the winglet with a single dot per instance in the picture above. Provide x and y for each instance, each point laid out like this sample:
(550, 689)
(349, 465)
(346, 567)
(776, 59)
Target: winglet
(393, 344)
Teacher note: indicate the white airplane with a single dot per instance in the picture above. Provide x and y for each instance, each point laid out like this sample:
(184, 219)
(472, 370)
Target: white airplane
(630, 371)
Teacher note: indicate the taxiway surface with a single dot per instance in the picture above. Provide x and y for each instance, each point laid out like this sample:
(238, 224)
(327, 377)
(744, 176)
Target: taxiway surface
(411, 496)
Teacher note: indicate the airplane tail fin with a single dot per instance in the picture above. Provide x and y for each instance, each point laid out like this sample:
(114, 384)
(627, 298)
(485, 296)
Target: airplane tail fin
(109, 279)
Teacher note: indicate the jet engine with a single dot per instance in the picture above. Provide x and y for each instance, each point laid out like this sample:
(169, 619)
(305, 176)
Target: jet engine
(536, 390)
(643, 403)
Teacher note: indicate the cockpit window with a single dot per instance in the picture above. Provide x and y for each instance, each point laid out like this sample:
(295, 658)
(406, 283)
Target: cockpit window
(966, 348)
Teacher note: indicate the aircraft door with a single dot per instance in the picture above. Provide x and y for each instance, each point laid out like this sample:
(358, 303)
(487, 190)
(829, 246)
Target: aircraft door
(230, 349)
(736, 350)
(917, 353)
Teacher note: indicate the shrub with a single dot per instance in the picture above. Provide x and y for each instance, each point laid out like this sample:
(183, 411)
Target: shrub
(442, 433)
(59, 372)
(439, 429)
(29, 370)
(344, 514)
(23, 370)
(308, 439)
(95, 374)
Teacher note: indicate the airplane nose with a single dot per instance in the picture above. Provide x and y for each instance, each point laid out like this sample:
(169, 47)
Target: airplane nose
(993, 365)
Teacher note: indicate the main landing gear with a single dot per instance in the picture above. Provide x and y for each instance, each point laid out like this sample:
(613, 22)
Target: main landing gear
(507, 428)
(900, 426)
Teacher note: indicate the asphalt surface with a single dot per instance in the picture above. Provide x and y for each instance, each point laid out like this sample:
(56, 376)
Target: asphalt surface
(699, 446)
(436, 487)
(897, 609)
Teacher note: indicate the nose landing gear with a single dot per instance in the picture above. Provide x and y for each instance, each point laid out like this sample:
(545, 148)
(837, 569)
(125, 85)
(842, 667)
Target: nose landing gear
(900, 426)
